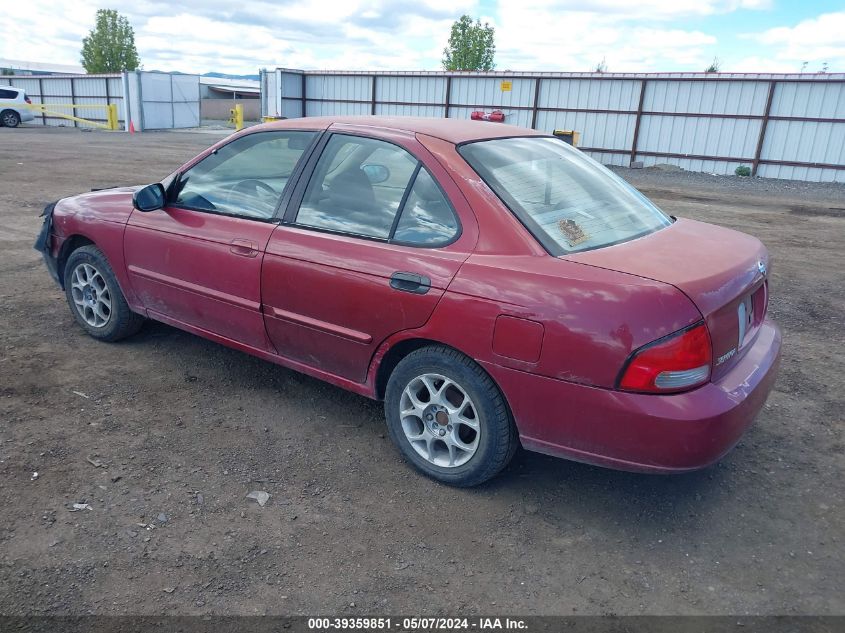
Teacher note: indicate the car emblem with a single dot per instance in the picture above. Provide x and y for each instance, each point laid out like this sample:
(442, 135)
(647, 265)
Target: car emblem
(761, 266)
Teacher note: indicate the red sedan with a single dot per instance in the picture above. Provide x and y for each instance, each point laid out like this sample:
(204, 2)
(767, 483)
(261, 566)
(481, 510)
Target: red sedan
(493, 285)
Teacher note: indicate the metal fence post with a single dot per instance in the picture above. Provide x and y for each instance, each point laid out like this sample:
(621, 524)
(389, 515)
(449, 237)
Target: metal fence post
(637, 122)
(763, 125)
(304, 98)
(373, 96)
(534, 109)
(41, 99)
(73, 100)
(172, 105)
(139, 78)
(448, 96)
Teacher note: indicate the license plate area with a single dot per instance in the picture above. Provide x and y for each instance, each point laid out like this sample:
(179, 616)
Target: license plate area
(750, 314)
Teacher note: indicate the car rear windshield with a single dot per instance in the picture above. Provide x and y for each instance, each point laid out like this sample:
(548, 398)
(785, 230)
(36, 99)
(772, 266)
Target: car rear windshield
(567, 200)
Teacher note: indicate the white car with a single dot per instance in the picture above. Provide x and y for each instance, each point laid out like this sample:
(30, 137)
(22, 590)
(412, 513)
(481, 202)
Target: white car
(13, 107)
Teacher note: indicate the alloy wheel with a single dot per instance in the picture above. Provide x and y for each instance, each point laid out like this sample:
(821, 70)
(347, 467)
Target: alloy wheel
(440, 420)
(91, 295)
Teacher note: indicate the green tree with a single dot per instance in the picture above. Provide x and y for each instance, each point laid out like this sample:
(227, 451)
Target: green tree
(110, 45)
(714, 66)
(471, 46)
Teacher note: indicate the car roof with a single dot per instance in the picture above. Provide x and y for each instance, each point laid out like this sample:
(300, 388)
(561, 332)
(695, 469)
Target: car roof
(452, 130)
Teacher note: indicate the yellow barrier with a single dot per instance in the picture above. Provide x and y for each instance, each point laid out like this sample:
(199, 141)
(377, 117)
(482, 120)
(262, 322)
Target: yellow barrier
(569, 136)
(111, 113)
(236, 116)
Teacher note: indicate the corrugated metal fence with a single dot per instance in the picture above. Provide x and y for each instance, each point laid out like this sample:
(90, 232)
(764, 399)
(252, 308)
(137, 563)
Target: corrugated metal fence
(781, 126)
(58, 90)
(154, 100)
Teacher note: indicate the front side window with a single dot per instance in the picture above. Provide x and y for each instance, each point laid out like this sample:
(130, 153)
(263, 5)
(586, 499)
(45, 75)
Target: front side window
(375, 189)
(245, 177)
(568, 201)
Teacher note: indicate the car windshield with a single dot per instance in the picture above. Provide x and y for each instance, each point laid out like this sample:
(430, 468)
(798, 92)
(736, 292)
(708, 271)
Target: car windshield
(567, 200)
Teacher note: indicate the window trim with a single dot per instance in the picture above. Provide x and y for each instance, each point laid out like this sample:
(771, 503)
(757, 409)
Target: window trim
(404, 200)
(295, 202)
(540, 236)
(455, 215)
(283, 197)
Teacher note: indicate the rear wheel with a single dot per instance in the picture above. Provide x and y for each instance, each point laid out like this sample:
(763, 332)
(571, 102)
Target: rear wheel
(94, 296)
(448, 417)
(10, 118)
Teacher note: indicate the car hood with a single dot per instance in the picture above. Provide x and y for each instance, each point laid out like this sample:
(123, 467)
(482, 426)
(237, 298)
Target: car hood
(111, 205)
(717, 268)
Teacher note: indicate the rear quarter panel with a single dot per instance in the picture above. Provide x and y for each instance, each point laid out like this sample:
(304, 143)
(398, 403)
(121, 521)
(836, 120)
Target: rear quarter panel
(592, 319)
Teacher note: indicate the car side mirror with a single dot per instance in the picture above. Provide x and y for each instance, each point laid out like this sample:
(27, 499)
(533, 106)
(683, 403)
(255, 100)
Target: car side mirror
(376, 173)
(149, 198)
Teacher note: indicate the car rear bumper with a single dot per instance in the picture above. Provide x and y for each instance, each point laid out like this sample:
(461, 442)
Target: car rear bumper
(639, 432)
(26, 115)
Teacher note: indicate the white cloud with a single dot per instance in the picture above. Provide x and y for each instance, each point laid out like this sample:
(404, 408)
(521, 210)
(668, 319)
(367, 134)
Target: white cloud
(226, 36)
(541, 35)
(645, 10)
(816, 41)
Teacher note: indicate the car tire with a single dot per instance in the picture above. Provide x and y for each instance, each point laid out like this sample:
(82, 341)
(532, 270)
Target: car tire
(10, 118)
(448, 418)
(95, 298)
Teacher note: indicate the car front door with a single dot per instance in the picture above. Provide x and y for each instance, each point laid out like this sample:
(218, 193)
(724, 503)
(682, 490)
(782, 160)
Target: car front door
(368, 246)
(197, 261)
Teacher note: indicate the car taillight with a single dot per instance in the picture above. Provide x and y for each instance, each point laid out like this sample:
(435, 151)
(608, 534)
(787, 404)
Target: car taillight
(677, 362)
(28, 100)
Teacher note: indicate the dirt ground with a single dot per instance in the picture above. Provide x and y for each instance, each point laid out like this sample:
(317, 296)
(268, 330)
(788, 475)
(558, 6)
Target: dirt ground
(183, 429)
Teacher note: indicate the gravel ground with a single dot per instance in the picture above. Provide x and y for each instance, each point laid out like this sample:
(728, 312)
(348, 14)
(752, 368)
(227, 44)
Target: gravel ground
(668, 177)
(163, 436)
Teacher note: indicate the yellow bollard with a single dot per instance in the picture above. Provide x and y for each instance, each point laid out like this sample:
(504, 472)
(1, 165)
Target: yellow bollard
(111, 116)
(237, 117)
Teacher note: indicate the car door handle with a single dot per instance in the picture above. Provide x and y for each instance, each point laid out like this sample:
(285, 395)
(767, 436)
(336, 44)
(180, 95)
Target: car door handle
(244, 248)
(410, 282)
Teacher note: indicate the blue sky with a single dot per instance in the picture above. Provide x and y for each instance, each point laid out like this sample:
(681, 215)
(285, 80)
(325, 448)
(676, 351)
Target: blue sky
(557, 35)
(730, 29)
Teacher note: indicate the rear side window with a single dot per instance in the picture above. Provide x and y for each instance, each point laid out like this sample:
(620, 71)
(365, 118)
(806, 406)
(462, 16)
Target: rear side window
(8, 94)
(427, 218)
(372, 188)
(567, 200)
(357, 187)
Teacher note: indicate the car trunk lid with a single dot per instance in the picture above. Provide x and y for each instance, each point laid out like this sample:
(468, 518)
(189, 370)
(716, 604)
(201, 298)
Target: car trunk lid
(722, 271)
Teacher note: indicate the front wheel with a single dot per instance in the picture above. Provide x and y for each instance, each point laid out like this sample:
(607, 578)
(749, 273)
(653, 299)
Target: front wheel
(94, 296)
(448, 417)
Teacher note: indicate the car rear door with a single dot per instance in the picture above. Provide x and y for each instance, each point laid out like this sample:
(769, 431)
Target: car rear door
(197, 262)
(373, 236)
